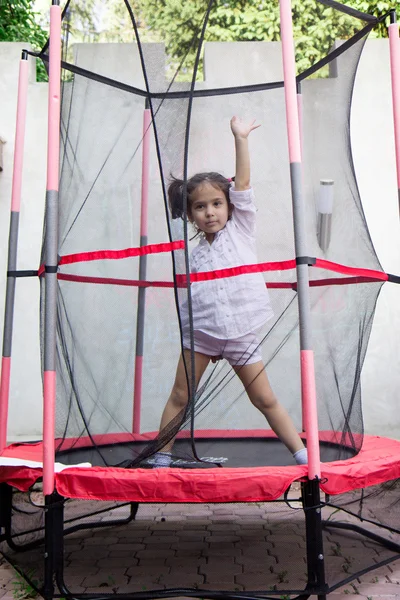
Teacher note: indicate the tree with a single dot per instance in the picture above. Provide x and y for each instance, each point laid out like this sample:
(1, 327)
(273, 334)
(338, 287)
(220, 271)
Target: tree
(316, 27)
(18, 24)
(177, 23)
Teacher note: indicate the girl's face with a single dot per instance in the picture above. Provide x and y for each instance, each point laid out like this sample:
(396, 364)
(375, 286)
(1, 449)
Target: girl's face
(209, 209)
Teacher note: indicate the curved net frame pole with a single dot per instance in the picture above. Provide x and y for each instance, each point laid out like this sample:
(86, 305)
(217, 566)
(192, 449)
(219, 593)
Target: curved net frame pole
(308, 391)
(13, 246)
(51, 249)
(394, 46)
(138, 381)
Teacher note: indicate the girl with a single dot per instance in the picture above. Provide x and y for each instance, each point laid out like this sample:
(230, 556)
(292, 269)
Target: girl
(227, 312)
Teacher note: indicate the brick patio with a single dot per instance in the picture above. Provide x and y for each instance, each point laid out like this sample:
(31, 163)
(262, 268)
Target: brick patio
(240, 547)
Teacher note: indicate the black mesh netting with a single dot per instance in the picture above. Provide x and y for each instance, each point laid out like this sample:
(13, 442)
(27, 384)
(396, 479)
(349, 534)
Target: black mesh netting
(103, 388)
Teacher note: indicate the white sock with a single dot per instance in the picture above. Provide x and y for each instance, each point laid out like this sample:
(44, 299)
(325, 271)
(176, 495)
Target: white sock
(162, 460)
(301, 456)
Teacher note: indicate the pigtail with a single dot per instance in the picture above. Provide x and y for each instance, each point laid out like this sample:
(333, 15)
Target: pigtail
(175, 198)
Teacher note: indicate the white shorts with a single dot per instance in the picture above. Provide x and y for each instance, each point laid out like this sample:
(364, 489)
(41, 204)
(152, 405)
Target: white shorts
(241, 351)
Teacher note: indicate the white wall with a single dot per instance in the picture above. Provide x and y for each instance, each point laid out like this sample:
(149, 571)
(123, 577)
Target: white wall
(374, 157)
(225, 64)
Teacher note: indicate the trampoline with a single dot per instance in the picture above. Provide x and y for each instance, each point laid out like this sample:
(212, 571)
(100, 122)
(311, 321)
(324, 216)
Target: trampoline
(376, 463)
(115, 275)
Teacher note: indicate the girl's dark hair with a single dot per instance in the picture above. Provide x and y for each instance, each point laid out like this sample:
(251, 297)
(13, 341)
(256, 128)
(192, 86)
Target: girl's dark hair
(175, 190)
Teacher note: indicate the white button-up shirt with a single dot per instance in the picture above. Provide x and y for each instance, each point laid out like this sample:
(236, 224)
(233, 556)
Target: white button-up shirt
(230, 307)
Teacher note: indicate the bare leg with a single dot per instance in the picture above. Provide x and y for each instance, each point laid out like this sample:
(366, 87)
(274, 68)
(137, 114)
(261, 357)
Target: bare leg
(255, 381)
(178, 398)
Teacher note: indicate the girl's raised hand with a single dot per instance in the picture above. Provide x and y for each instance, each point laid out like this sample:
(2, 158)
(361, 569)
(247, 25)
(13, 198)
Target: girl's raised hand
(240, 128)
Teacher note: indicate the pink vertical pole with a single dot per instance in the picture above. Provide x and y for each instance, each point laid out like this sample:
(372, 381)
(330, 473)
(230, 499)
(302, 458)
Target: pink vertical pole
(308, 389)
(394, 48)
(51, 249)
(138, 382)
(145, 173)
(20, 133)
(300, 112)
(289, 70)
(54, 97)
(13, 246)
(4, 396)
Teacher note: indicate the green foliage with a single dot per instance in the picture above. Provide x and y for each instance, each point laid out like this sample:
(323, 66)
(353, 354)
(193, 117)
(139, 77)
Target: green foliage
(18, 24)
(99, 21)
(22, 589)
(316, 27)
(178, 23)
(377, 8)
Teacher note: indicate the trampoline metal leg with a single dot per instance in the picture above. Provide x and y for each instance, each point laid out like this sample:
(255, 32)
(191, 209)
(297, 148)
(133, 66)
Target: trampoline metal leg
(5, 511)
(53, 542)
(133, 508)
(314, 541)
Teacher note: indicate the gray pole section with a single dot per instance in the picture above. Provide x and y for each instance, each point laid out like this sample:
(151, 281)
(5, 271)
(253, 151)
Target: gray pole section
(51, 259)
(10, 286)
(141, 307)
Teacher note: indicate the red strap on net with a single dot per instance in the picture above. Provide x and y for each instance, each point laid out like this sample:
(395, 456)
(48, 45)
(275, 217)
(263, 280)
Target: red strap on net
(355, 275)
(118, 254)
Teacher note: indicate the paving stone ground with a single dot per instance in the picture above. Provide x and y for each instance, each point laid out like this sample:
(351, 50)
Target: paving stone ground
(240, 547)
